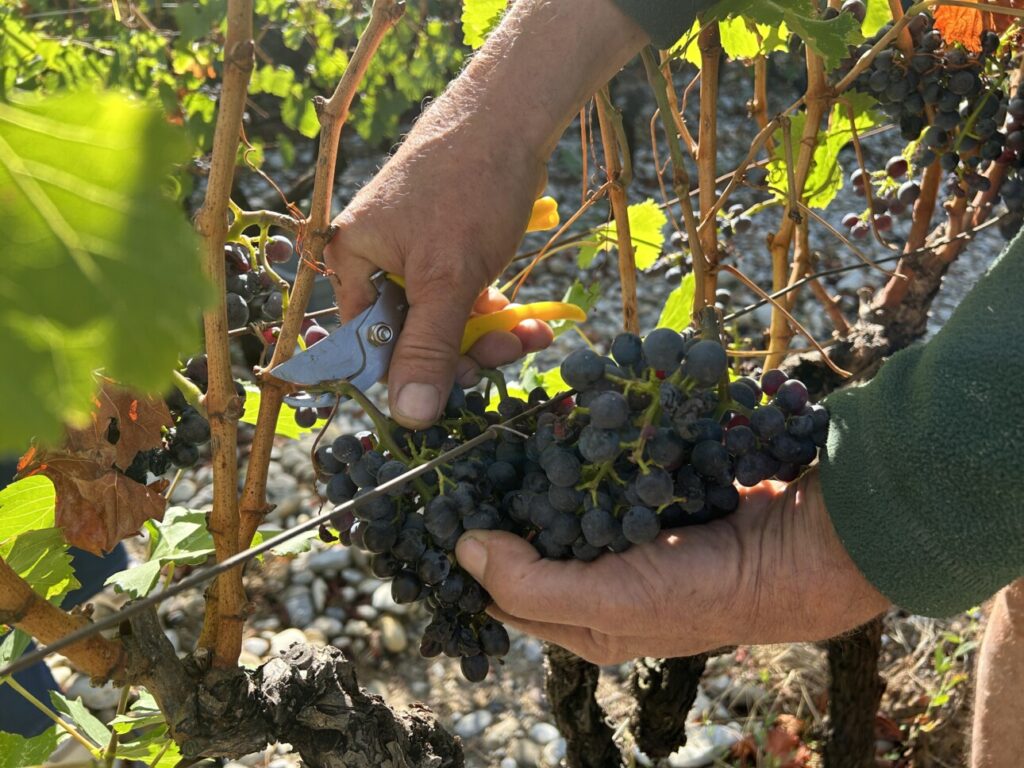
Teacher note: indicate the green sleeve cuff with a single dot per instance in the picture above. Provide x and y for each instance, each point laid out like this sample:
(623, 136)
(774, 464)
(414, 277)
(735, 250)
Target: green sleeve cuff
(665, 21)
(923, 474)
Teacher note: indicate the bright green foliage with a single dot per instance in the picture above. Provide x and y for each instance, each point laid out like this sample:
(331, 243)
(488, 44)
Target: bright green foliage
(479, 17)
(84, 721)
(584, 297)
(88, 228)
(678, 310)
(143, 732)
(829, 39)
(182, 538)
(41, 558)
(286, 426)
(26, 505)
(741, 39)
(13, 645)
(296, 545)
(646, 230)
(17, 751)
(879, 14)
(826, 175)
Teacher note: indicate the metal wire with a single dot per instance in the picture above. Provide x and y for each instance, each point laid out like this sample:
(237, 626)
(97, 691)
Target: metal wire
(204, 575)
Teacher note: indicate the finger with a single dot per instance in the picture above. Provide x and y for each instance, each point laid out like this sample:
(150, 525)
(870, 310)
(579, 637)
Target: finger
(351, 280)
(489, 301)
(596, 647)
(529, 587)
(423, 366)
(534, 335)
(495, 349)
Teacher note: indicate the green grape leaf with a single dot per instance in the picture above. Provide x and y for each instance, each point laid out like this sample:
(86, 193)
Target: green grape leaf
(85, 721)
(195, 20)
(296, 545)
(829, 39)
(742, 39)
(825, 178)
(879, 14)
(16, 751)
(584, 297)
(286, 426)
(13, 645)
(677, 313)
(646, 230)
(41, 558)
(26, 505)
(181, 538)
(531, 378)
(479, 17)
(154, 748)
(101, 268)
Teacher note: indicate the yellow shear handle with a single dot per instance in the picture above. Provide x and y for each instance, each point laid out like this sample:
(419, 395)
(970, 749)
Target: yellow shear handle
(508, 318)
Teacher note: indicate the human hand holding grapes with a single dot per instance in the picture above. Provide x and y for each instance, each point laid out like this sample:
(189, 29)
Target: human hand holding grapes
(773, 571)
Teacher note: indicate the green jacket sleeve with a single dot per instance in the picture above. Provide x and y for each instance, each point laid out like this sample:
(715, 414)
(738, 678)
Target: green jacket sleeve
(664, 20)
(923, 474)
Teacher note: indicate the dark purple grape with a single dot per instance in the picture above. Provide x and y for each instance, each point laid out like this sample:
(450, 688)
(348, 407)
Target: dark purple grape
(279, 249)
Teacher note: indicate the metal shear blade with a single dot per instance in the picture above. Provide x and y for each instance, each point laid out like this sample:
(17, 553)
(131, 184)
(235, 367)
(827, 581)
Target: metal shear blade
(359, 352)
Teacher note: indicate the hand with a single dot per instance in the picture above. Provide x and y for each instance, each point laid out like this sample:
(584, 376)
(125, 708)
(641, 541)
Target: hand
(450, 229)
(448, 210)
(774, 571)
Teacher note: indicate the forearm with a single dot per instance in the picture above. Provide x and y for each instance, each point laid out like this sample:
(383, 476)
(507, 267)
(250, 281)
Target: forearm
(998, 733)
(533, 74)
(922, 470)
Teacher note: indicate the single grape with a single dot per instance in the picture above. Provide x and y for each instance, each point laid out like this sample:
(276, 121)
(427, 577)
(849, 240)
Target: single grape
(340, 489)
(791, 397)
(740, 440)
(434, 567)
(582, 369)
(772, 380)
(305, 417)
(494, 638)
(192, 428)
(273, 307)
(379, 536)
(598, 446)
(475, 668)
(182, 454)
(710, 458)
(640, 525)
(599, 527)
(655, 487)
(560, 466)
(627, 349)
(314, 334)
(279, 249)
(767, 421)
(406, 588)
(609, 410)
(663, 349)
(706, 362)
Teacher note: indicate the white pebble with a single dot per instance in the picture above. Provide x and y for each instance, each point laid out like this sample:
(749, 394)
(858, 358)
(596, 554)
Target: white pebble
(285, 639)
(473, 724)
(543, 733)
(318, 589)
(392, 634)
(257, 646)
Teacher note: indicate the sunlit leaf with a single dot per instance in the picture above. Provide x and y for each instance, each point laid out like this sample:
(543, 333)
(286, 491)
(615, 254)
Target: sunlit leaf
(677, 313)
(101, 269)
(286, 426)
(41, 558)
(479, 17)
(646, 231)
(26, 505)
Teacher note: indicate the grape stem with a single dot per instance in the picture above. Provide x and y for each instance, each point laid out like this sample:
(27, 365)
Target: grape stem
(497, 378)
(192, 394)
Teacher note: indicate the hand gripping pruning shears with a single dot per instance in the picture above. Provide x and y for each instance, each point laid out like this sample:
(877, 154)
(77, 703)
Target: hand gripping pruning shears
(359, 352)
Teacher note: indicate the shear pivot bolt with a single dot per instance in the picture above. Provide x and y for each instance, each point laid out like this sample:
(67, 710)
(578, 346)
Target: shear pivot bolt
(380, 334)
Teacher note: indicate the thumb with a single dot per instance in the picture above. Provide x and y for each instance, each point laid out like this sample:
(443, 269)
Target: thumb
(423, 366)
(524, 584)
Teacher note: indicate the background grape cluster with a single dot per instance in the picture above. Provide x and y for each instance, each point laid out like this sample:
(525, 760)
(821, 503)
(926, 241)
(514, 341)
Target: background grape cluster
(654, 437)
(951, 105)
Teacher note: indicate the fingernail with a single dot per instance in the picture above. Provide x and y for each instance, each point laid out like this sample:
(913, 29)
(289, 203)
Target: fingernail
(472, 556)
(418, 403)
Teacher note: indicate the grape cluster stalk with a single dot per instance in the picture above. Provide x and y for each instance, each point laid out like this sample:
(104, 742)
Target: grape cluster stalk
(655, 437)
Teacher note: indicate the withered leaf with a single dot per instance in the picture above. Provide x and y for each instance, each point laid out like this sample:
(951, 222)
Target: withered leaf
(97, 506)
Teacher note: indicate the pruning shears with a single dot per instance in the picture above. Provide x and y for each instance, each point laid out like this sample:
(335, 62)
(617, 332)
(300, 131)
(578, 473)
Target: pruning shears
(359, 352)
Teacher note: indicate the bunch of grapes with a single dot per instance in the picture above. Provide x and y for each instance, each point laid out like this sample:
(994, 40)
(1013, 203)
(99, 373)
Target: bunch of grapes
(951, 104)
(253, 291)
(892, 194)
(655, 437)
